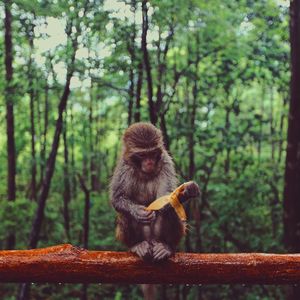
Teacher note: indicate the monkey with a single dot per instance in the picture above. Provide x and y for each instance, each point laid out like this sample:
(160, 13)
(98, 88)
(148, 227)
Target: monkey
(145, 171)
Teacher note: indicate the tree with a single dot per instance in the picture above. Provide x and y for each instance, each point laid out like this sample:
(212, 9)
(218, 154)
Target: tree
(10, 126)
(291, 203)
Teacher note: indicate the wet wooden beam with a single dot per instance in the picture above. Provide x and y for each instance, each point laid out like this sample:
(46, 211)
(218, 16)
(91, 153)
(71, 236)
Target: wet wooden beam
(69, 264)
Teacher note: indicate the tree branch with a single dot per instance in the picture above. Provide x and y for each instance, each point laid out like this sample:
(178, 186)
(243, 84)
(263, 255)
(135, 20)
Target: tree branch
(69, 264)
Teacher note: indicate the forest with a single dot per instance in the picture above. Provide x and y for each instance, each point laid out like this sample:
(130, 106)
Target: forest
(219, 78)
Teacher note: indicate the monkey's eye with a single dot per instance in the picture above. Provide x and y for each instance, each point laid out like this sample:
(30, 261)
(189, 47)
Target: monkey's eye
(137, 158)
(155, 155)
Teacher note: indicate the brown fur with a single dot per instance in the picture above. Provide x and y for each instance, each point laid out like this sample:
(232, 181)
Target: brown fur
(141, 137)
(129, 186)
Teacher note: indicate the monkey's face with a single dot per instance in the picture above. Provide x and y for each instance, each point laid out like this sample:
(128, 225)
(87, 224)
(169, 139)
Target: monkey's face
(146, 161)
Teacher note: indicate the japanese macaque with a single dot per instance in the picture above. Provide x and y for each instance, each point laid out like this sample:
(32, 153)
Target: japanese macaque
(144, 173)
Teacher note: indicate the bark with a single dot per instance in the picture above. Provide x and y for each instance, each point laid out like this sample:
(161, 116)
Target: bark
(192, 168)
(137, 113)
(228, 147)
(139, 84)
(131, 50)
(131, 93)
(272, 124)
(67, 188)
(95, 185)
(281, 124)
(292, 171)
(73, 177)
(145, 25)
(69, 264)
(291, 203)
(86, 226)
(86, 222)
(162, 66)
(33, 183)
(45, 131)
(163, 128)
(10, 127)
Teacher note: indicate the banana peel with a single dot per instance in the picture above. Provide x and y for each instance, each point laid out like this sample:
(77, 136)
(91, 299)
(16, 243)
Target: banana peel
(173, 200)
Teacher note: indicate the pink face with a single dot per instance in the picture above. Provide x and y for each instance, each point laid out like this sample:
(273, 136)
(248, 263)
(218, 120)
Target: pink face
(148, 165)
(147, 161)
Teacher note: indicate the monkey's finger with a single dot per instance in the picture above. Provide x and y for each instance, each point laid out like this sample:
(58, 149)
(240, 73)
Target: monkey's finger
(162, 254)
(139, 252)
(158, 252)
(147, 218)
(147, 213)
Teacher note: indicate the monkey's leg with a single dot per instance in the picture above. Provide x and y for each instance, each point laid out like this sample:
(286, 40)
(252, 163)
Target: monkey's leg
(143, 250)
(160, 249)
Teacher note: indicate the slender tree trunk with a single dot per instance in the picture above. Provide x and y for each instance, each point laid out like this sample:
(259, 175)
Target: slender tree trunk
(291, 201)
(45, 132)
(130, 94)
(73, 167)
(228, 149)
(131, 50)
(139, 84)
(187, 240)
(160, 88)
(86, 226)
(33, 188)
(261, 125)
(137, 113)
(272, 125)
(147, 64)
(10, 127)
(93, 168)
(163, 127)
(281, 124)
(67, 189)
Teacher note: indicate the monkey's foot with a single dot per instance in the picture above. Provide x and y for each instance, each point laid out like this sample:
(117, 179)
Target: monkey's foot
(161, 251)
(143, 250)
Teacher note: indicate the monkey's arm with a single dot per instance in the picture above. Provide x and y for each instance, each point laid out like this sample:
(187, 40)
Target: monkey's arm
(120, 199)
(123, 205)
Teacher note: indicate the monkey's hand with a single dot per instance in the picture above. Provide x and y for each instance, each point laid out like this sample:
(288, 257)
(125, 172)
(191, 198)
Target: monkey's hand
(141, 215)
(191, 190)
(143, 250)
(161, 251)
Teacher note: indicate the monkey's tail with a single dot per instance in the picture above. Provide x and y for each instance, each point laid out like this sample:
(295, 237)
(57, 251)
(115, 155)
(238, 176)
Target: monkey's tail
(149, 291)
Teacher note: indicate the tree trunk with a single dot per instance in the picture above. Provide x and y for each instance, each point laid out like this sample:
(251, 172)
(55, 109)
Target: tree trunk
(147, 64)
(131, 50)
(67, 189)
(94, 180)
(86, 226)
(45, 132)
(291, 202)
(10, 127)
(139, 84)
(32, 191)
(73, 167)
(137, 112)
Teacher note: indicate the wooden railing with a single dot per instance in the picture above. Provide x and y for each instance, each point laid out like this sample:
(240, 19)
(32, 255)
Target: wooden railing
(69, 264)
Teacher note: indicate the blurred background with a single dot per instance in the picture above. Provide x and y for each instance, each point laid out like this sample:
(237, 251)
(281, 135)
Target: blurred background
(213, 75)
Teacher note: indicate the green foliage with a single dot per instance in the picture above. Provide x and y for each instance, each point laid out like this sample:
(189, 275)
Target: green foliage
(226, 62)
